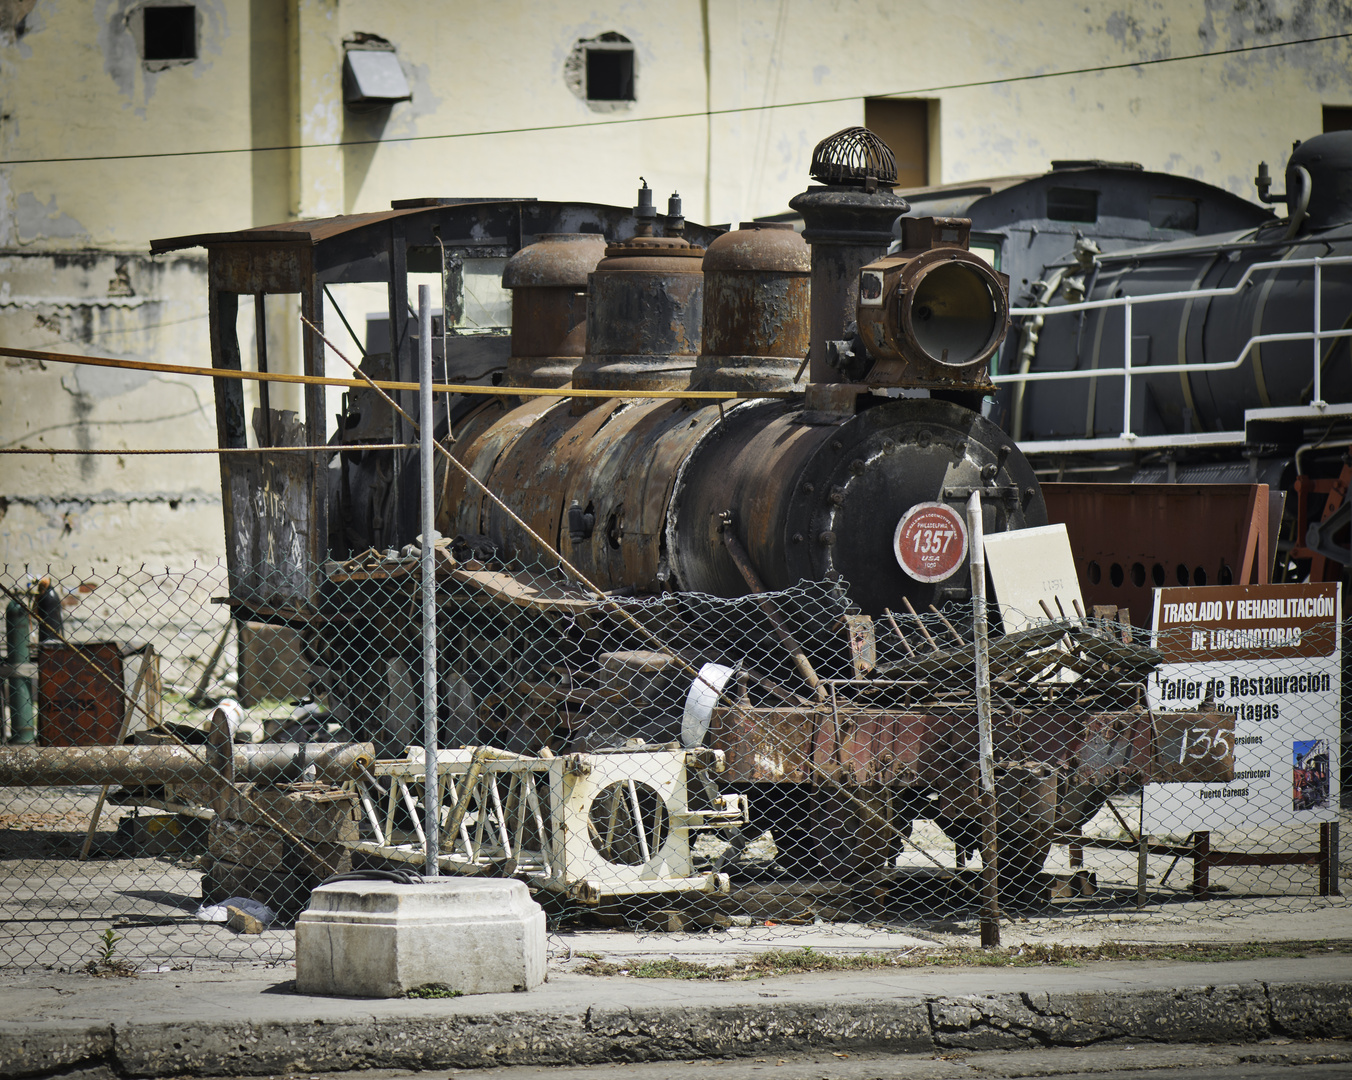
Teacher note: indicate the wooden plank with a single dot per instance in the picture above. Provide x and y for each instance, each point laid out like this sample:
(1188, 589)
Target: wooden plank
(519, 592)
(242, 922)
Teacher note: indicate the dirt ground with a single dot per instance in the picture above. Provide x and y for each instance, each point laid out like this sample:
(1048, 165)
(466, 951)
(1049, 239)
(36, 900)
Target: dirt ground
(58, 909)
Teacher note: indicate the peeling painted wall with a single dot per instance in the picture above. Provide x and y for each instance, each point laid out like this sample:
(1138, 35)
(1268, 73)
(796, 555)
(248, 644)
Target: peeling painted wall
(74, 273)
(112, 508)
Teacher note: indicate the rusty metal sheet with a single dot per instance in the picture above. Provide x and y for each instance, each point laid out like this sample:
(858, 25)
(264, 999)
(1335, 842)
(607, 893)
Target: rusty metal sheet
(754, 442)
(1193, 747)
(626, 476)
(480, 443)
(1116, 748)
(662, 438)
(764, 744)
(81, 699)
(534, 473)
(873, 746)
(1129, 539)
(250, 269)
(310, 231)
(936, 749)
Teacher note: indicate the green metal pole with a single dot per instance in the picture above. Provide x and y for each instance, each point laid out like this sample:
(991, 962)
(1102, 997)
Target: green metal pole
(21, 727)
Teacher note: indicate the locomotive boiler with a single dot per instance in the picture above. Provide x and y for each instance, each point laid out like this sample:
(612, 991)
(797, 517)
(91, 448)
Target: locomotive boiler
(647, 496)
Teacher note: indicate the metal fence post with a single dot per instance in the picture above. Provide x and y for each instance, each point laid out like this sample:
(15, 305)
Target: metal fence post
(1317, 398)
(432, 796)
(1126, 370)
(990, 884)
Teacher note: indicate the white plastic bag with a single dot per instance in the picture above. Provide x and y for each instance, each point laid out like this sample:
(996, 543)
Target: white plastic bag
(218, 913)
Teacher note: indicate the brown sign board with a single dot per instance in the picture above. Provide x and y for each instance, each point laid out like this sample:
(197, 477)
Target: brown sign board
(1269, 658)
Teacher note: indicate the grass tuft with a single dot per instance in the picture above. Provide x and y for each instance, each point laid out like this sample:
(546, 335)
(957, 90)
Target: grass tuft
(434, 990)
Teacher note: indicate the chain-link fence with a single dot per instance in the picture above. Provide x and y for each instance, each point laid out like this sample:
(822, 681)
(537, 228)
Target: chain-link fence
(187, 761)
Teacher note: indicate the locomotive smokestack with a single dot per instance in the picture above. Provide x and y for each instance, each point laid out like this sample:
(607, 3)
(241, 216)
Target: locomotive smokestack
(848, 224)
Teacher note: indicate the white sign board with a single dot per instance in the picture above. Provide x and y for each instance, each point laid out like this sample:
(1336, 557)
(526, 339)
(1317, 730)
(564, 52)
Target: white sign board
(1032, 565)
(1271, 655)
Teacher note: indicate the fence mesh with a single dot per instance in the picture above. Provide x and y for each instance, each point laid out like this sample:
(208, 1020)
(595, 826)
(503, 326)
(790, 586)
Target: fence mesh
(186, 762)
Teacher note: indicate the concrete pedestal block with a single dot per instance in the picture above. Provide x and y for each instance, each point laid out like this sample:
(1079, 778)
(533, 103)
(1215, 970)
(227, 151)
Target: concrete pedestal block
(379, 940)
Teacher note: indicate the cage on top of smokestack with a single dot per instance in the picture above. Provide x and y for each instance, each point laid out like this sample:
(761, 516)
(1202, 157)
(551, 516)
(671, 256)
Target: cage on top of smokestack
(854, 157)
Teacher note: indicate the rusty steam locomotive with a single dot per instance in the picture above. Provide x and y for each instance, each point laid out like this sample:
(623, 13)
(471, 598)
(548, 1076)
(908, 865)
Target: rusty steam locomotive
(852, 412)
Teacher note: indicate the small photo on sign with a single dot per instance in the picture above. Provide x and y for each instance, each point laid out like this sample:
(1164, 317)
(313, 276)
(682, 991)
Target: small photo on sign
(1310, 774)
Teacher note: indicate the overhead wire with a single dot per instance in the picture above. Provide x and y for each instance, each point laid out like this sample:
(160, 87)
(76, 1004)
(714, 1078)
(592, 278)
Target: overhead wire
(383, 384)
(698, 114)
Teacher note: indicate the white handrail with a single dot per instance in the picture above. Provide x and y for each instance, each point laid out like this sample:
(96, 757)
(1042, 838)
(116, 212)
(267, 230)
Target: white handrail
(1316, 335)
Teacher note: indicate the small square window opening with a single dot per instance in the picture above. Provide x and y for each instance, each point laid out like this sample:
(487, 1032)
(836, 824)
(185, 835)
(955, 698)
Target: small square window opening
(169, 33)
(610, 74)
(1072, 204)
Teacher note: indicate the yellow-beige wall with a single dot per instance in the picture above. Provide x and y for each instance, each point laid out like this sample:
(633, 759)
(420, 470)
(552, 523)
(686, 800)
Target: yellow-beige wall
(731, 97)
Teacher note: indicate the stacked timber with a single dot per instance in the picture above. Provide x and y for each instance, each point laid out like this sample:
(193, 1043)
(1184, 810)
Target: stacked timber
(274, 844)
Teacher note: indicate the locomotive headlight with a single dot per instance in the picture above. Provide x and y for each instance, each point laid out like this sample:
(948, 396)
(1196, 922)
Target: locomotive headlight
(953, 313)
(934, 312)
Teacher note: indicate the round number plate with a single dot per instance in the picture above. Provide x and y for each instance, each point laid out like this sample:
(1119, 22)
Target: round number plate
(930, 542)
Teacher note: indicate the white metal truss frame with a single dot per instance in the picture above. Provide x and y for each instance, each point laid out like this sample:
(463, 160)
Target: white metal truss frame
(587, 826)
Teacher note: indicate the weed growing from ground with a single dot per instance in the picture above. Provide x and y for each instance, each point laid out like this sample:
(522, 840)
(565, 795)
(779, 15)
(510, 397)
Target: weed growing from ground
(801, 961)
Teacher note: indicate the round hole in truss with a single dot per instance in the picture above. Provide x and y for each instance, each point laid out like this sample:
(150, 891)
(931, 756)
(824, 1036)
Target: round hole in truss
(1116, 576)
(617, 833)
(1095, 572)
(1138, 574)
(1157, 575)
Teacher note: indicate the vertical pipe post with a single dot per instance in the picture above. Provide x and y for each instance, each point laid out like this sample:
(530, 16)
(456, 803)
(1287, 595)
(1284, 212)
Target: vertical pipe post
(990, 884)
(1317, 399)
(1126, 370)
(22, 730)
(261, 351)
(426, 426)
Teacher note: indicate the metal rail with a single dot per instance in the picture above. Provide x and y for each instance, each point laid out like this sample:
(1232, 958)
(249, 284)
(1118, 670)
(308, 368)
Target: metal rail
(1127, 372)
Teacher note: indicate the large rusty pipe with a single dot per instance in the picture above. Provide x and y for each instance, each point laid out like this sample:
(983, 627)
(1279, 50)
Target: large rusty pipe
(50, 766)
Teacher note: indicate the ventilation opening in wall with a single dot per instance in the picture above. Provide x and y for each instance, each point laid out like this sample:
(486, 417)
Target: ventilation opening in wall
(610, 74)
(602, 71)
(169, 33)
